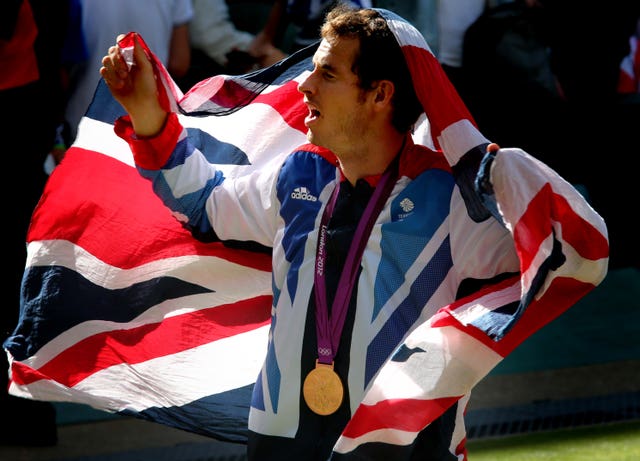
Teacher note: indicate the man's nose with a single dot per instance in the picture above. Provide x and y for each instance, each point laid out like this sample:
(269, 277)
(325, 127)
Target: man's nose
(305, 86)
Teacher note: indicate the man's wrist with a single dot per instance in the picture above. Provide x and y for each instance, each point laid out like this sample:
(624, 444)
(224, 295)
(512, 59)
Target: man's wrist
(150, 124)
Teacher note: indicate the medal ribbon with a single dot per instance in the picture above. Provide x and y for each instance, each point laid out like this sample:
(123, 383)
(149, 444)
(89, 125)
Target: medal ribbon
(329, 330)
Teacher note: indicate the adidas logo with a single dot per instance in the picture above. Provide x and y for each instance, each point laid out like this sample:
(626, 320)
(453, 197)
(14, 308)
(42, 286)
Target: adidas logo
(302, 193)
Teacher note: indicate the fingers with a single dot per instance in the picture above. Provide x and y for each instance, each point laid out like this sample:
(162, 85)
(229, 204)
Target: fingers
(138, 52)
(140, 56)
(129, 75)
(116, 65)
(114, 70)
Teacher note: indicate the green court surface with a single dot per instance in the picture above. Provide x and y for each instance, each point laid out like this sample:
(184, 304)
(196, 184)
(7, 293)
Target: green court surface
(613, 442)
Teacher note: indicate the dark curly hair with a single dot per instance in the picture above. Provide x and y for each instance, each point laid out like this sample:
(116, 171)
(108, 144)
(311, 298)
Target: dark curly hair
(379, 58)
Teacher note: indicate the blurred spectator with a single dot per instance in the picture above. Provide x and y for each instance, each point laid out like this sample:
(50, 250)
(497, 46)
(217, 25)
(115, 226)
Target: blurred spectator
(32, 34)
(559, 126)
(219, 47)
(305, 18)
(163, 24)
(74, 53)
(629, 80)
(588, 42)
(588, 77)
(448, 21)
(444, 24)
(224, 43)
(502, 72)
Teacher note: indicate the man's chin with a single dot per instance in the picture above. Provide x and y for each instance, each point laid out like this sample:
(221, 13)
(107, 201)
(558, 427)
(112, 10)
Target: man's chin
(312, 138)
(316, 140)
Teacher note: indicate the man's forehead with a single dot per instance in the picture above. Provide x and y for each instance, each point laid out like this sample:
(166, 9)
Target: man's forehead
(337, 54)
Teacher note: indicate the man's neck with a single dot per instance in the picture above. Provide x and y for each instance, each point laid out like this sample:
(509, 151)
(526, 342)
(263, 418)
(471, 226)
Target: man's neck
(373, 161)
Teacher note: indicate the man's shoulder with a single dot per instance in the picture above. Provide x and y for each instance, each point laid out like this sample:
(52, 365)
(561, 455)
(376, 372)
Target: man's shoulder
(313, 149)
(418, 158)
(310, 165)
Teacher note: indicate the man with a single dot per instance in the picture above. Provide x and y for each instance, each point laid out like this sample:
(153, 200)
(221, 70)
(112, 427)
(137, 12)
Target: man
(375, 236)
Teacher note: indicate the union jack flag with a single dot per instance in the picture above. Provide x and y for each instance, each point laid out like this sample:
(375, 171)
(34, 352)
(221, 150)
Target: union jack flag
(121, 308)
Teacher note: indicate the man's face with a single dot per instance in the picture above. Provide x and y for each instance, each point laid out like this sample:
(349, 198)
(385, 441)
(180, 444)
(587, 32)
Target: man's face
(337, 116)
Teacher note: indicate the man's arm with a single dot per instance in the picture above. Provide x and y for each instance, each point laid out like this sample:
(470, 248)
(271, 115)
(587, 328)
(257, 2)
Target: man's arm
(135, 88)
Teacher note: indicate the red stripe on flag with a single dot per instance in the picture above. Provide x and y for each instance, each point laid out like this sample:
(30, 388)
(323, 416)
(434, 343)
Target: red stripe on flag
(21, 373)
(226, 92)
(437, 95)
(136, 345)
(287, 100)
(540, 312)
(98, 203)
(563, 293)
(411, 415)
(529, 232)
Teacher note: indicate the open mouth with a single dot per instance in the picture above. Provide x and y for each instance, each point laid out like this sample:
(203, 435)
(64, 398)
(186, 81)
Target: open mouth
(313, 114)
(312, 117)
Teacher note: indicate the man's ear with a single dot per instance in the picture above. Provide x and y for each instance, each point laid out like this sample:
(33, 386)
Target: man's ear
(384, 91)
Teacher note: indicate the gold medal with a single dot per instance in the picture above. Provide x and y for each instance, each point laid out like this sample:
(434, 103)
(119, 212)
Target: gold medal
(322, 389)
